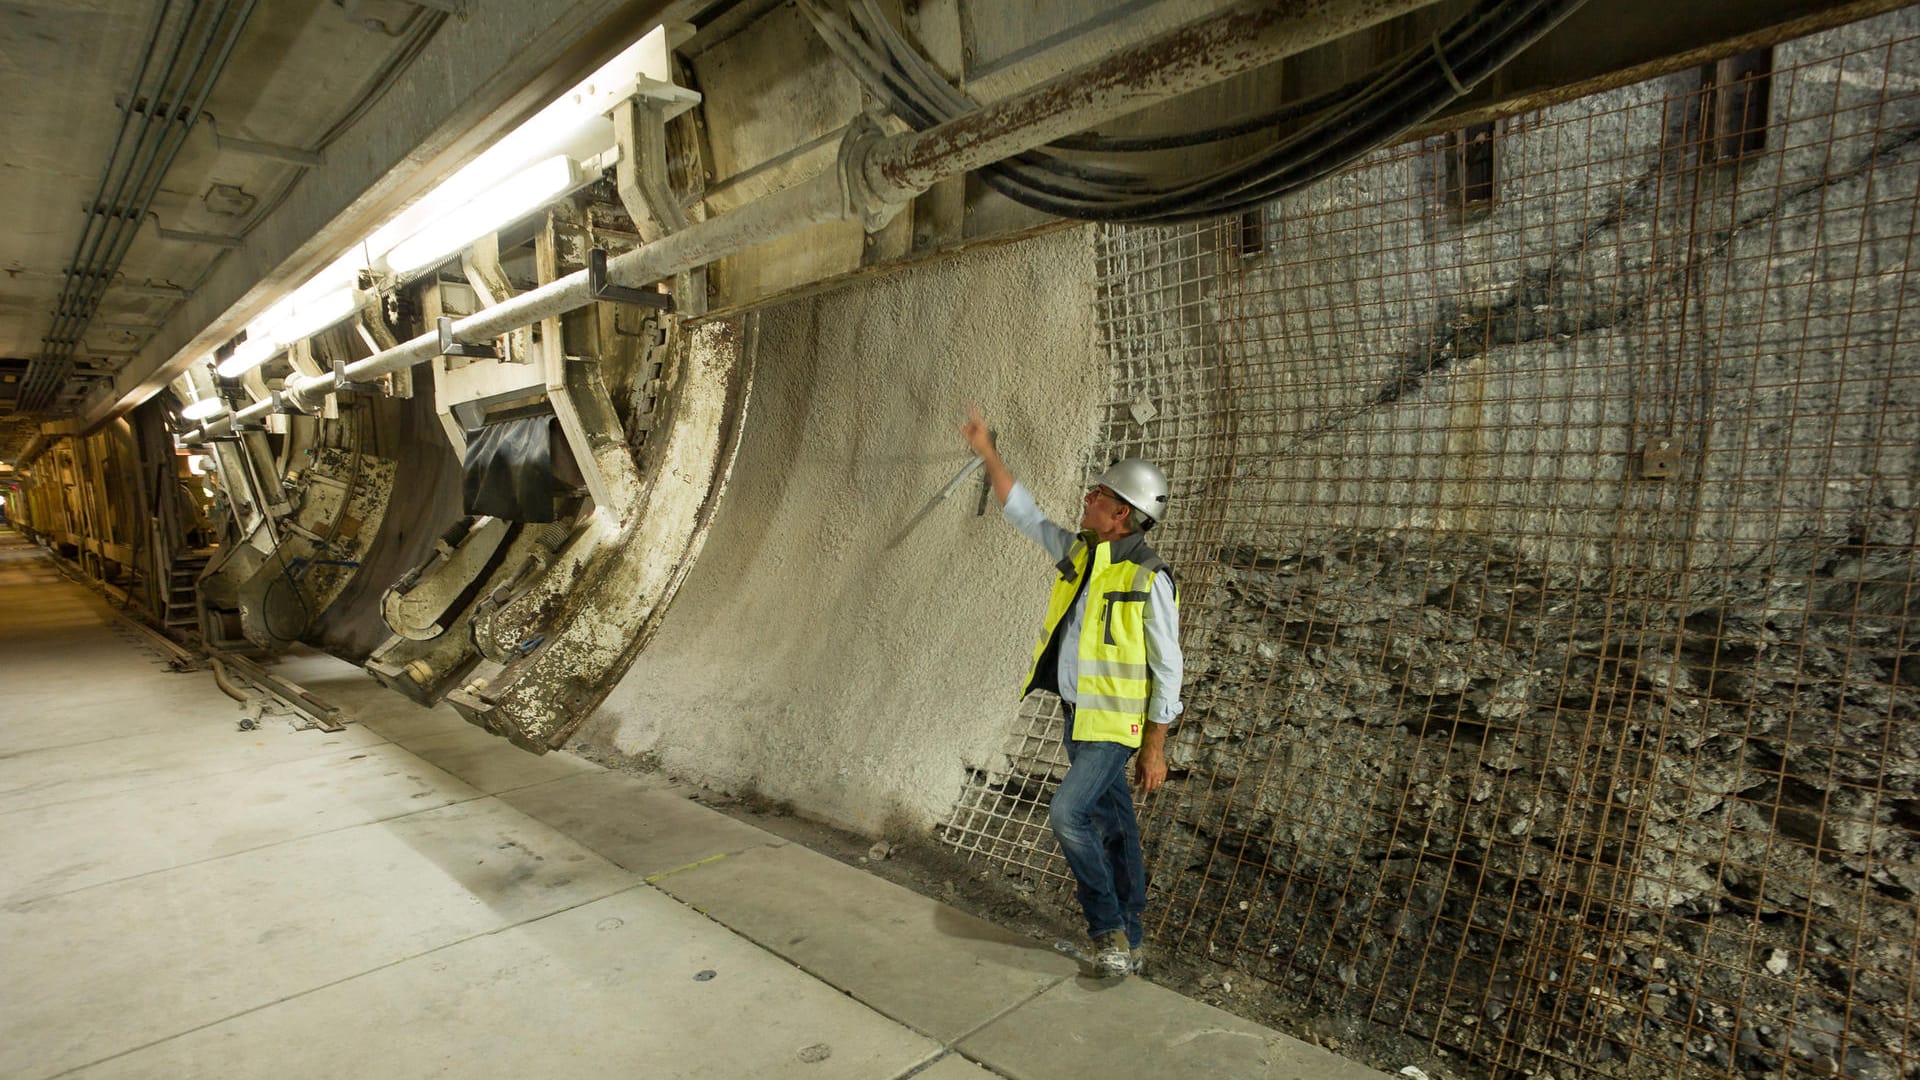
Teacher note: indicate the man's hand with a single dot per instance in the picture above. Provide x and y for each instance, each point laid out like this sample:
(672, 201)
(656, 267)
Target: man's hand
(974, 431)
(1150, 764)
(980, 441)
(1149, 770)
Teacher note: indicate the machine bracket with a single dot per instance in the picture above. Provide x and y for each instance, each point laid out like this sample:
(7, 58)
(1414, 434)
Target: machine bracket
(344, 385)
(450, 347)
(621, 294)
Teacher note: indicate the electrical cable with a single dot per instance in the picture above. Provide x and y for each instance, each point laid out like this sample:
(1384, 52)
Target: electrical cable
(1248, 188)
(1343, 134)
(284, 577)
(940, 99)
(1339, 125)
(912, 100)
(924, 75)
(1396, 99)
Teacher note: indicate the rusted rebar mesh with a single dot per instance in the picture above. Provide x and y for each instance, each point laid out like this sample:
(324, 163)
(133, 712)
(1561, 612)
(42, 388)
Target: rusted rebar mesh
(1546, 533)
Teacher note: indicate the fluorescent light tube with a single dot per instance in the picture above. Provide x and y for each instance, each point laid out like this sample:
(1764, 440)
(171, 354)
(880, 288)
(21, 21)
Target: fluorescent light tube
(310, 315)
(285, 323)
(521, 194)
(575, 123)
(205, 407)
(251, 353)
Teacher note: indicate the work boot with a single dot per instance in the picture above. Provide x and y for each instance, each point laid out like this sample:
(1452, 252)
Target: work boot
(1112, 959)
(1137, 956)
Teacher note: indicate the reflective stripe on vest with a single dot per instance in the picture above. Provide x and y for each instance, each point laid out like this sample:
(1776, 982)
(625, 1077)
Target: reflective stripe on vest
(1114, 683)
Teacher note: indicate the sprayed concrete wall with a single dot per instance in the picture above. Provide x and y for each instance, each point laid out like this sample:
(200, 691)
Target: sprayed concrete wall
(815, 654)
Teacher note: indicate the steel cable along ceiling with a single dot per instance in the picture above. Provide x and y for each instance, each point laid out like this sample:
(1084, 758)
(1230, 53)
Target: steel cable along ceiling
(155, 119)
(1311, 138)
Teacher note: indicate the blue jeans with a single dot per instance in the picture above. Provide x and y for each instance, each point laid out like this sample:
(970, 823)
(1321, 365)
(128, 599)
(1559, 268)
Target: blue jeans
(1092, 818)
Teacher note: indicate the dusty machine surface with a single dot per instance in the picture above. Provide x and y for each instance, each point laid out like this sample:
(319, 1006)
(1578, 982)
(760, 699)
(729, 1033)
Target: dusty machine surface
(503, 535)
(592, 449)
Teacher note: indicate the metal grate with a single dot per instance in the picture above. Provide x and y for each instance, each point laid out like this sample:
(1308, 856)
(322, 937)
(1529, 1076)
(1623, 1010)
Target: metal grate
(1548, 580)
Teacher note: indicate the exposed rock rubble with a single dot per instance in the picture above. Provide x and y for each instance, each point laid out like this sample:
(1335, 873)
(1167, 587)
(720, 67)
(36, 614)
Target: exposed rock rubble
(1420, 758)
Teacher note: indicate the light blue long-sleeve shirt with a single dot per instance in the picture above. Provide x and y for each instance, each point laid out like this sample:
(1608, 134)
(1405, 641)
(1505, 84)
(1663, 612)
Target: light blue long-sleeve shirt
(1162, 616)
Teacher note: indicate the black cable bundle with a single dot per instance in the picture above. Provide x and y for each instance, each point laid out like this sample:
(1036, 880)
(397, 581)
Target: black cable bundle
(1312, 138)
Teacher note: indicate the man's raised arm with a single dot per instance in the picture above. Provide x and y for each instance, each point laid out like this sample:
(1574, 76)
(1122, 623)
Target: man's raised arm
(974, 431)
(1016, 503)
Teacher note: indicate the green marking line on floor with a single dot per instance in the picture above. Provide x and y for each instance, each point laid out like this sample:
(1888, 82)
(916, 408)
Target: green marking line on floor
(695, 865)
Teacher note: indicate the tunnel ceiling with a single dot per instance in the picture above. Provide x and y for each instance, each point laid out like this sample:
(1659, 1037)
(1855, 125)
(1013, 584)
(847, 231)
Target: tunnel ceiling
(321, 112)
(295, 74)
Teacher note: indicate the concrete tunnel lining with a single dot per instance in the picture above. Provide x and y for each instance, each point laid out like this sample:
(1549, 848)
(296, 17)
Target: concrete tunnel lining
(802, 651)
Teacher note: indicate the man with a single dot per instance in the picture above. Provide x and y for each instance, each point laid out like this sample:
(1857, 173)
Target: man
(1110, 647)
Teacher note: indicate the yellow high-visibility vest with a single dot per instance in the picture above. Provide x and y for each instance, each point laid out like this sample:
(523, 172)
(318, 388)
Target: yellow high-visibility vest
(1114, 682)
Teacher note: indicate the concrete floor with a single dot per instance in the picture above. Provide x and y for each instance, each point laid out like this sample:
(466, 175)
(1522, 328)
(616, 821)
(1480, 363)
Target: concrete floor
(410, 897)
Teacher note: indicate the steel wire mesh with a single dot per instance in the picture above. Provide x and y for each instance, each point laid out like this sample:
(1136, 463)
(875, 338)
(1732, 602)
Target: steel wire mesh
(1548, 579)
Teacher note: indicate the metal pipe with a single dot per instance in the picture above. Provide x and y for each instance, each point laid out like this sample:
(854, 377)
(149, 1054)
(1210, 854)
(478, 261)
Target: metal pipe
(100, 251)
(157, 176)
(173, 136)
(876, 175)
(220, 680)
(816, 201)
(126, 121)
(143, 151)
(48, 371)
(85, 250)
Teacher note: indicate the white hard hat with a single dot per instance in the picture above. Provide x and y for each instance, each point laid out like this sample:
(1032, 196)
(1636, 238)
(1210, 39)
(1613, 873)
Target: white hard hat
(1141, 485)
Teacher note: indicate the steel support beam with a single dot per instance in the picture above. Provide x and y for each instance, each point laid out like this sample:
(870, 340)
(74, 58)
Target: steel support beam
(1239, 40)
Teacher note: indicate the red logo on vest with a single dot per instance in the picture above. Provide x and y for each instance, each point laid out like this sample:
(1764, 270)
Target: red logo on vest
(1136, 729)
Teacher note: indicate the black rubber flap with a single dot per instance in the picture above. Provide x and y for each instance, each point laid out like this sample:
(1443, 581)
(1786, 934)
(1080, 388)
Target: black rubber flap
(508, 470)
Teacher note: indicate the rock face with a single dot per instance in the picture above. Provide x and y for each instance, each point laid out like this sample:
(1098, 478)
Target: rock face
(1428, 775)
(1553, 624)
